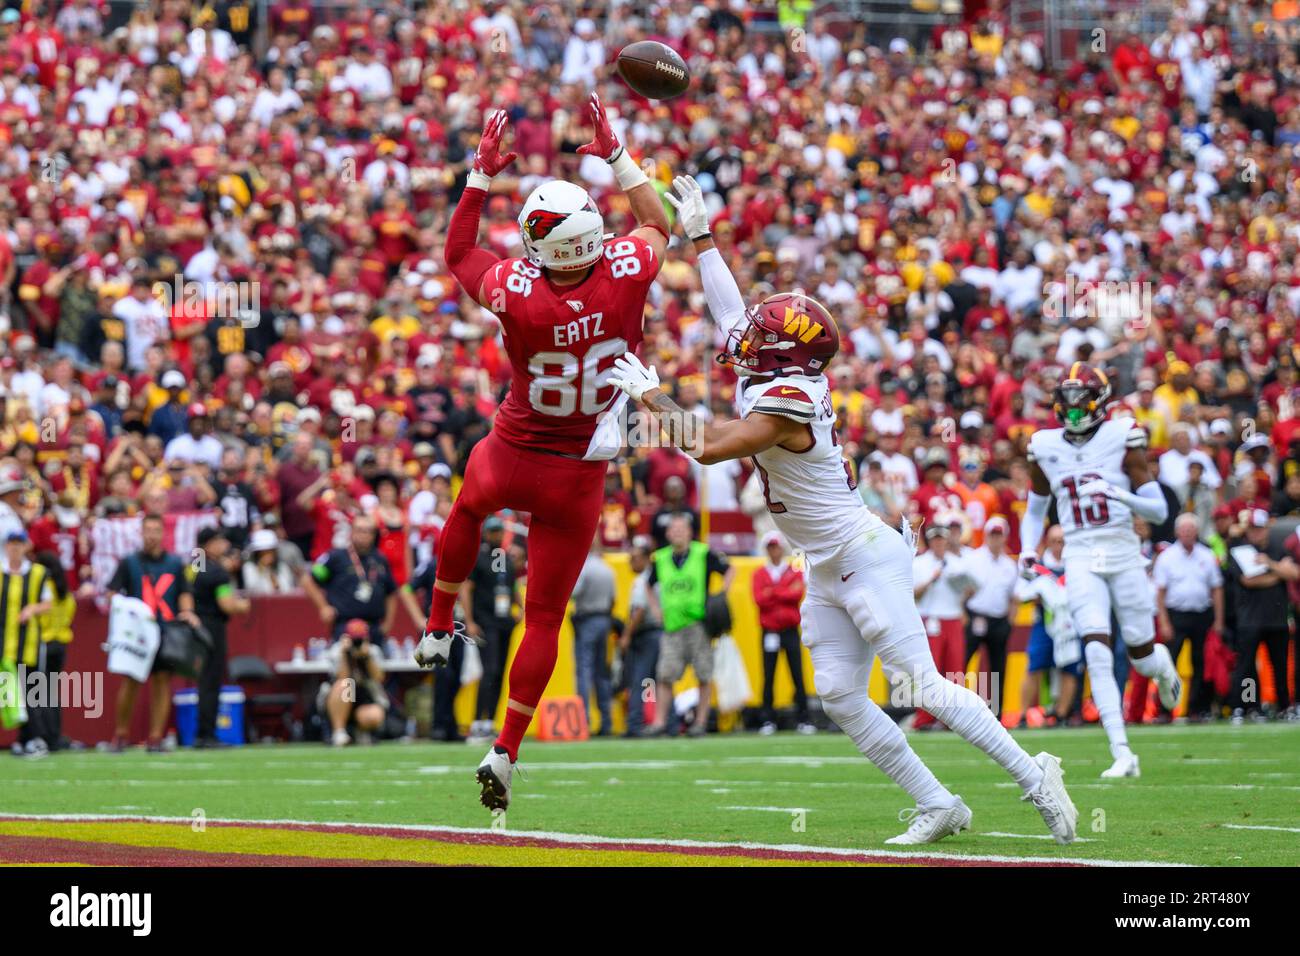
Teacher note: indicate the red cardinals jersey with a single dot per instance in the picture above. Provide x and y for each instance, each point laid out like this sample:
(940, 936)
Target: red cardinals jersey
(563, 340)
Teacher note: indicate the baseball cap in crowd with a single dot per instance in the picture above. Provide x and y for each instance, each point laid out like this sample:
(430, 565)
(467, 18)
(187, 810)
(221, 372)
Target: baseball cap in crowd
(771, 538)
(493, 523)
(996, 525)
(1255, 441)
(264, 539)
(899, 45)
(1222, 511)
(936, 531)
(172, 379)
(197, 410)
(1258, 518)
(10, 16)
(972, 419)
(422, 449)
(438, 470)
(935, 458)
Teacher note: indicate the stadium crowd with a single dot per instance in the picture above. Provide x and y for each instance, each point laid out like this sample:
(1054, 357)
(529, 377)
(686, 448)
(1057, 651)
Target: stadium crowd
(225, 301)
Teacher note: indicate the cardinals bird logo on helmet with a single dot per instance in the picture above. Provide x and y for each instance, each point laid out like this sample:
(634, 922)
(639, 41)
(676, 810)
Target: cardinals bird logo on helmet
(561, 227)
(785, 334)
(1081, 401)
(541, 222)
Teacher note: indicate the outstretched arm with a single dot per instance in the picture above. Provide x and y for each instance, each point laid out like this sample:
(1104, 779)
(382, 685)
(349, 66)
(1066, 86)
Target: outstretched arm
(706, 442)
(647, 208)
(467, 262)
(726, 304)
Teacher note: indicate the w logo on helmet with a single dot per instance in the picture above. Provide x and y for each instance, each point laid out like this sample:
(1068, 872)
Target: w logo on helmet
(541, 223)
(798, 325)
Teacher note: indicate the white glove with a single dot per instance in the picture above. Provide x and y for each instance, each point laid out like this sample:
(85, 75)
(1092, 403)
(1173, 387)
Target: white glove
(633, 376)
(1028, 565)
(1099, 486)
(689, 203)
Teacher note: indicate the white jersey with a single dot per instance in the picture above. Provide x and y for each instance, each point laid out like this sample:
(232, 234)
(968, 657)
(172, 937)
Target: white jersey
(810, 494)
(1092, 522)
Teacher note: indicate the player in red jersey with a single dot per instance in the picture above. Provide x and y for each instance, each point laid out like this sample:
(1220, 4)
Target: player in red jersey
(567, 309)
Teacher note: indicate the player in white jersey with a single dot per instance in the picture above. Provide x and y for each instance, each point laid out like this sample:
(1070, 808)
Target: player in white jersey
(860, 601)
(1092, 465)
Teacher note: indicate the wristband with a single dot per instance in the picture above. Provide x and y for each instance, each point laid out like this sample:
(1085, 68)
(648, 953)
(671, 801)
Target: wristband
(628, 173)
(478, 180)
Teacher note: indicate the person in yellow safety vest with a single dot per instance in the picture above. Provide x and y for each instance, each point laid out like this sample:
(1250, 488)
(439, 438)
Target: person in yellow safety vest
(56, 635)
(679, 577)
(793, 14)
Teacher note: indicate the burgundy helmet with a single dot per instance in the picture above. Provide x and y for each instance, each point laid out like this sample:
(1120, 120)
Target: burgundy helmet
(1082, 399)
(786, 334)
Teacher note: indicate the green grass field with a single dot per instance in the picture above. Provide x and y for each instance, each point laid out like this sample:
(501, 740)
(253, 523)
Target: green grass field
(1208, 795)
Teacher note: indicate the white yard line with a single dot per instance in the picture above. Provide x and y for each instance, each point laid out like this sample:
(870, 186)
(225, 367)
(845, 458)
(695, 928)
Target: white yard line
(831, 853)
(1027, 836)
(1259, 826)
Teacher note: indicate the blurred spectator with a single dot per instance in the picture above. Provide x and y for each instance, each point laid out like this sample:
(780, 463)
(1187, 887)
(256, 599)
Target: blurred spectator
(593, 608)
(216, 600)
(157, 578)
(1260, 572)
(778, 589)
(27, 597)
(639, 642)
(941, 583)
(489, 599)
(1189, 604)
(989, 607)
(680, 574)
(265, 571)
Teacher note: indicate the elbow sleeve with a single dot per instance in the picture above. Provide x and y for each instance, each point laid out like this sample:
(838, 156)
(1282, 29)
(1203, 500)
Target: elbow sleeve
(1149, 503)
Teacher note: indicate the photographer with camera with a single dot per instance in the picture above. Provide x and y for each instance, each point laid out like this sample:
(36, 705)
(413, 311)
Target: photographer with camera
(357, 696)
(360, 596)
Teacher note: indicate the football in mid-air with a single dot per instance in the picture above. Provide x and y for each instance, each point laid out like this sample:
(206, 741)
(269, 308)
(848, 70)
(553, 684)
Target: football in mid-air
(653, 70)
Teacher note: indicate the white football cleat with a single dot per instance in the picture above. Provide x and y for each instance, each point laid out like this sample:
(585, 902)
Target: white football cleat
(434, 649)
(1124, 766)
(928, 826)
(340, 738)
(493, 776)
(1171, 690)
(1051, 800)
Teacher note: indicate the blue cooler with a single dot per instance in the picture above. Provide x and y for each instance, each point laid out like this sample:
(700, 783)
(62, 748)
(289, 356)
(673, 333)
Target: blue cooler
(230, 715)
(186, 703)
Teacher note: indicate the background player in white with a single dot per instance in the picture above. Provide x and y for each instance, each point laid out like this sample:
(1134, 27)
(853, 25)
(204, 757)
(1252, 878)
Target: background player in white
(859, 602)
(1092, 464)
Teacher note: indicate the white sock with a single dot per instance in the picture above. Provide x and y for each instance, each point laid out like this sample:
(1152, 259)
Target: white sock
(1105, 694)
(881, 742)
(1158, 665)
(966, 713)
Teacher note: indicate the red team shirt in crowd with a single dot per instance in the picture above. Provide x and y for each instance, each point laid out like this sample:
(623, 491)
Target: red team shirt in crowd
(563, 340)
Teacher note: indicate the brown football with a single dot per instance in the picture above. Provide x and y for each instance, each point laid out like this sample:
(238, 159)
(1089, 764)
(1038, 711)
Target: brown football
(653, 70)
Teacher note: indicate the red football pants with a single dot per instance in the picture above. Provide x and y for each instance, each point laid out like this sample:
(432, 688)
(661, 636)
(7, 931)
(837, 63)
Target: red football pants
(948, 648)
(563, 496)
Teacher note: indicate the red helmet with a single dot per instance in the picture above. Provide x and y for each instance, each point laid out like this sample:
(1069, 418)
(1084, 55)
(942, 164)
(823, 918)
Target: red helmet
(787, 333)
(1080, 402)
